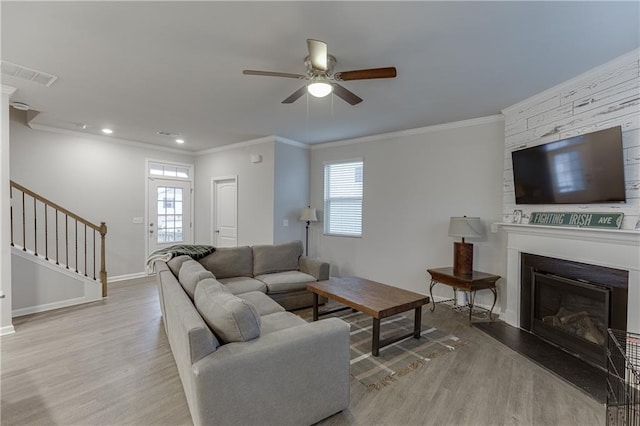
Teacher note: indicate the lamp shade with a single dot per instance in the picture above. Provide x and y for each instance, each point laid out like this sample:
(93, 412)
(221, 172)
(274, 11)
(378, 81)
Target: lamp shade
(465, 227)
(309, 215)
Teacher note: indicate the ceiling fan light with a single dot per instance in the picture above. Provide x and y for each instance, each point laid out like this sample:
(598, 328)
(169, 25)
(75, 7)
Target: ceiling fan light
(319, 89)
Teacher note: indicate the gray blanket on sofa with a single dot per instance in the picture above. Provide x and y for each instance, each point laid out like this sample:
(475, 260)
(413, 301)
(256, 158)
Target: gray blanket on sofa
(167, 253)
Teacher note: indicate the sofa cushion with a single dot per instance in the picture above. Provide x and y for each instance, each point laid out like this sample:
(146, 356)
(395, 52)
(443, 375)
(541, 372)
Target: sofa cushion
(213, 285)
(286, 281)
(229, 317)
(279, 321)
(175, 263)
(263, 303)
(191, 273)
(228, 262)
(276, 258)
(240, 285)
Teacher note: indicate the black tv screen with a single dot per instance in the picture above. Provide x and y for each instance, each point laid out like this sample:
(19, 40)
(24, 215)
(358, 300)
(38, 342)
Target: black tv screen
(583, 169)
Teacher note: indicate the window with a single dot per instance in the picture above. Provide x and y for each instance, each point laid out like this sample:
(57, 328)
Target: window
(158, 169)
(169, 214)
(343, 198)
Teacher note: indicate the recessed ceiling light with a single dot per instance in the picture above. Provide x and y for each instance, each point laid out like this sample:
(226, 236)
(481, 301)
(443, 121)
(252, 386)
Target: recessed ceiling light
(107, 131)
(180, 140)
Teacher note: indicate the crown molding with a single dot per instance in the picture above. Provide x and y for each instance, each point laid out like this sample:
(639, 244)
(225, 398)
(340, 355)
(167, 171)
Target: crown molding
(634, 55)
(412, 132)
(252, 142)
(292, 142)
(109, 139)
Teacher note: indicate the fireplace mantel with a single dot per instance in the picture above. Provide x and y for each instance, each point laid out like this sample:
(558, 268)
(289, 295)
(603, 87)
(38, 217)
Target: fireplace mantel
(618, 249)
(618, 236)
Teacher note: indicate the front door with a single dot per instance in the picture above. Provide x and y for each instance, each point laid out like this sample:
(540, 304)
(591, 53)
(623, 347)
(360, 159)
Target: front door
(169, 219)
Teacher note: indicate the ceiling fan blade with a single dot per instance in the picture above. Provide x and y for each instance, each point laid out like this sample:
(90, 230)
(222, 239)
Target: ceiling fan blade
(389, 72)
(348, 96)
(273, 74)
(295, 95)
(317, 54)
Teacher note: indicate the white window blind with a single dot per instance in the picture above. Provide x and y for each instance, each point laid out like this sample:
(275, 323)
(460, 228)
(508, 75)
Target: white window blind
(343, 198)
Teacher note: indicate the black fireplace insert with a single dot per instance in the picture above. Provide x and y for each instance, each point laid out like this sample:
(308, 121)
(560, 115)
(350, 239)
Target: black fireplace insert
(572, 304)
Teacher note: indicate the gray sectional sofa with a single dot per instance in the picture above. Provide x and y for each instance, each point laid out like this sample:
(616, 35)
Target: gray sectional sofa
(242, 358)
(280, 271)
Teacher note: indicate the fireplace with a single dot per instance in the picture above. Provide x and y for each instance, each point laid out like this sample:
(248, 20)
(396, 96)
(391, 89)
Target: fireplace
(616, 255)
(571, 304)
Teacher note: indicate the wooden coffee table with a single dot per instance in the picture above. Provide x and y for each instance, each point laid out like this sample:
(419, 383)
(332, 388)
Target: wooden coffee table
(372, 298)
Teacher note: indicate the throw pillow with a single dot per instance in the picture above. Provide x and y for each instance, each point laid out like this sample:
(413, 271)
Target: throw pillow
(176, 263)
(229, 317)
(191, 273)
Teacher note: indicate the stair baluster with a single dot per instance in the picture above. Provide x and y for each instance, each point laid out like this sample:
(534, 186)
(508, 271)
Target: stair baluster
(24, 226)
(43, 203)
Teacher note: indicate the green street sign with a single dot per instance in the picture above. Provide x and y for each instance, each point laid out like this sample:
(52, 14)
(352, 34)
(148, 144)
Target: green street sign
(578, 220)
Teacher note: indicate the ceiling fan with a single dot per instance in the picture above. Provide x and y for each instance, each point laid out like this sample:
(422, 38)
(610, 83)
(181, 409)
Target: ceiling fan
(320, 78)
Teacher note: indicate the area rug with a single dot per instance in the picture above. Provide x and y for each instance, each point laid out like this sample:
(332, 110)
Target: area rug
(397, 359)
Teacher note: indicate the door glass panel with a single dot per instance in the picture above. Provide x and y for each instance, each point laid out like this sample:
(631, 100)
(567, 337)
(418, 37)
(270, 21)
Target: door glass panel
(169, 215)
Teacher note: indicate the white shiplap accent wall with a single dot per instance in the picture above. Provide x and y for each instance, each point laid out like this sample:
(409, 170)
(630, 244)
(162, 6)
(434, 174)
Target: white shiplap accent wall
(604, 97)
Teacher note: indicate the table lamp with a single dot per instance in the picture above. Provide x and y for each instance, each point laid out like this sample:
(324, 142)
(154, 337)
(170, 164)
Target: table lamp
(308, 215)
(465, 227)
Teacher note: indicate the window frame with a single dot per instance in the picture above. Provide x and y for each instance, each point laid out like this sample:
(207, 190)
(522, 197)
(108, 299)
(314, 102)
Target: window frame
(325, 213)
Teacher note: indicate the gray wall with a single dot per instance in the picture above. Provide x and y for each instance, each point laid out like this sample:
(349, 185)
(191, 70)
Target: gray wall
(291, 192)
(413, 182)
(255, 191)
(95, 177)
(269, 192)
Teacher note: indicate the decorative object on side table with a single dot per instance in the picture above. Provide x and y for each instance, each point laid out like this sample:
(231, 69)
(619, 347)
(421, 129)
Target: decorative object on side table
(308, 215)
(464, 227)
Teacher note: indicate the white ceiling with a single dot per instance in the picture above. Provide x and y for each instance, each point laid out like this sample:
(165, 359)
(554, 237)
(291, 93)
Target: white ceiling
(144, 67)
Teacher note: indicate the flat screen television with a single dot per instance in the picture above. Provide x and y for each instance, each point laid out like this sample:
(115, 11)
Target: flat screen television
(582, 169)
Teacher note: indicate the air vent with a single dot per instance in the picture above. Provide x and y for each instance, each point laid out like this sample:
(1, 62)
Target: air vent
(24, 73)
(170, 134)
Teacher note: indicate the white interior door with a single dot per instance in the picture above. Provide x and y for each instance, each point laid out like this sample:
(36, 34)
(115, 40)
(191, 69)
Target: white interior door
(225, 216)
(169, 210)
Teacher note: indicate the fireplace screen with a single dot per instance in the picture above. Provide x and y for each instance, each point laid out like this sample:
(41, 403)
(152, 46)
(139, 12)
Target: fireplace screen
(572, 314)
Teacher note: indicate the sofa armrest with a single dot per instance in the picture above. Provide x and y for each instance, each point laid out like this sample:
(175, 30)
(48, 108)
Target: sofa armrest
(315, 267)
(297, 375)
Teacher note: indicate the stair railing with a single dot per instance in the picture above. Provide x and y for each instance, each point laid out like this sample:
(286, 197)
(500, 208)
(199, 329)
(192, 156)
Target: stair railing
(40, 228)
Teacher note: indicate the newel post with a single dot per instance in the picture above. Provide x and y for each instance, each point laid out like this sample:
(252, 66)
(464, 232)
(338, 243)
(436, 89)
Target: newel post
(103, 262)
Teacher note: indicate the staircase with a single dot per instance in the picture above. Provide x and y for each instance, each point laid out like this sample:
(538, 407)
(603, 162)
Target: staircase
(58, 258)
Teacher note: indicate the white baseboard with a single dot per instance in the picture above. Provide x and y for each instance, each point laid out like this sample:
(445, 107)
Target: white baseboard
(8, 329)
(125, 277)
(50, 306)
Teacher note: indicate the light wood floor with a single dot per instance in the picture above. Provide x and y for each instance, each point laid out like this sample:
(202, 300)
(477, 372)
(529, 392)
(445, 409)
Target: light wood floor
(109, 363)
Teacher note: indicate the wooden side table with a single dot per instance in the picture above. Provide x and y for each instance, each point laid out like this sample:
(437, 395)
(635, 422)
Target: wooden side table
(466, 282)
